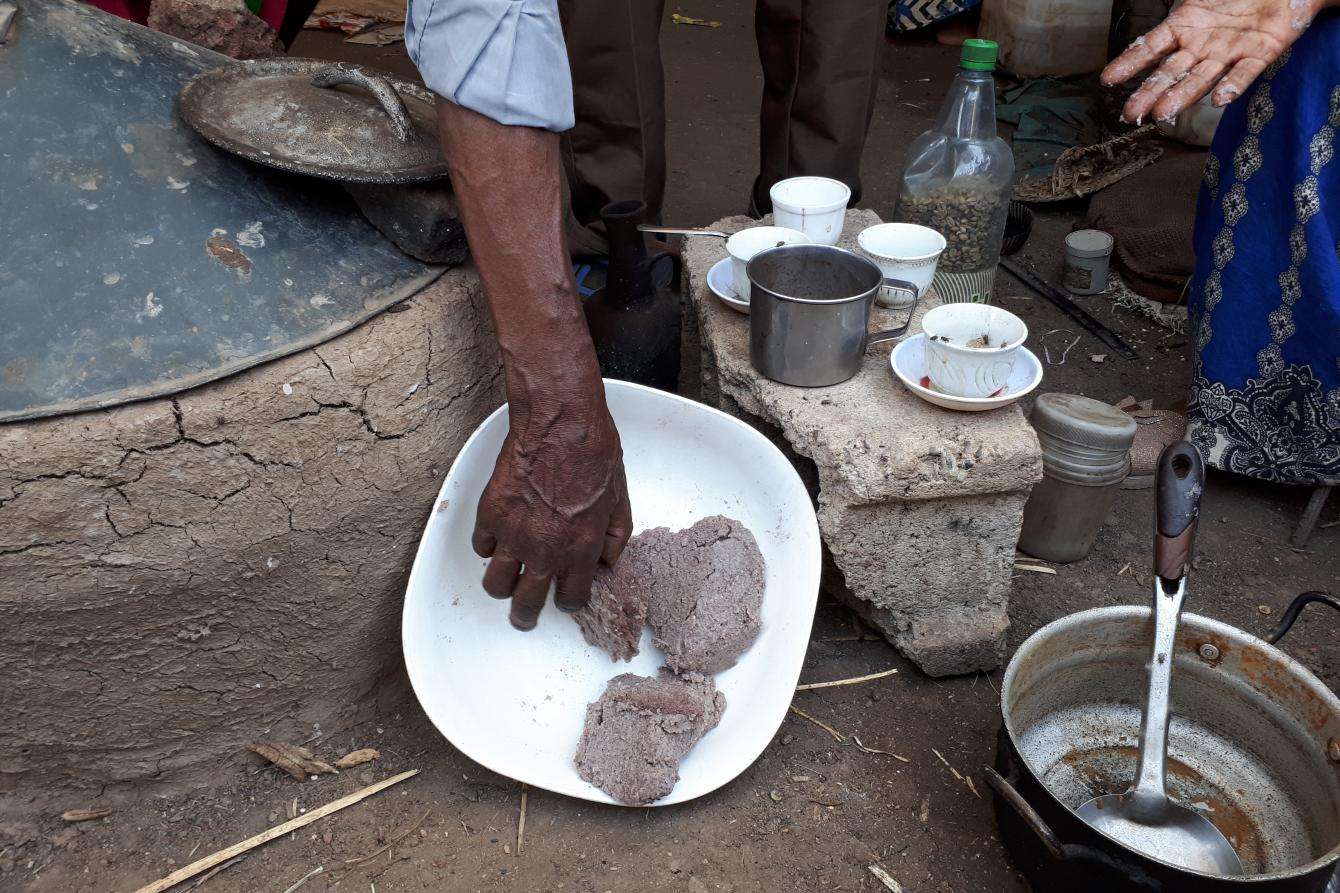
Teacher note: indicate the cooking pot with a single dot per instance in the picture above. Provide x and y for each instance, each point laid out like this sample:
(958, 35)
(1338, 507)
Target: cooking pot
(1253, 744)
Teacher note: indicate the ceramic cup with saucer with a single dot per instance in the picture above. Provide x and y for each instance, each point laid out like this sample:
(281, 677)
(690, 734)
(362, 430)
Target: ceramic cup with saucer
(747, 242)
(971, 348)
(903, 251)
(908, 361)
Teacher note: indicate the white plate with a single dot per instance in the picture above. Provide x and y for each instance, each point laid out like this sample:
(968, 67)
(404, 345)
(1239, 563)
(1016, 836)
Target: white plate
(908, 361)
(515, 701)
(721, 281)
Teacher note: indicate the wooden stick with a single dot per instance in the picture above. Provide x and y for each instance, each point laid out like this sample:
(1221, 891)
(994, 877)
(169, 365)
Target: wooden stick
(305, 878)
(886, 879)
(204, 878)
(266, 836)
(394, 842)
(1035, 568)
(852, 681)
(521, 822)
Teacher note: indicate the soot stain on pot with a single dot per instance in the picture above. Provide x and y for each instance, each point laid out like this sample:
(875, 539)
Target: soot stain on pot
(1109, 770)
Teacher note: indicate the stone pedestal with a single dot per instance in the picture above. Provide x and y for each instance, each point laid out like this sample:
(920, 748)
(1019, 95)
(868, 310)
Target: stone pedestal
(181, 576)
(919, 506)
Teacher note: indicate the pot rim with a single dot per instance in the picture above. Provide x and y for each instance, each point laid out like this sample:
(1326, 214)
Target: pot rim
(867, 295)
(1230, 633)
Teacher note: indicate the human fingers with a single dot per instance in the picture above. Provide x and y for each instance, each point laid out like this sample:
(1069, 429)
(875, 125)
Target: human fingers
(528, 598)
(1172, 72)
(1238, 79)
(620, 528)
(573, 590)
(483, 542)
(1195, 85)
(1141, 54)
(500, 576)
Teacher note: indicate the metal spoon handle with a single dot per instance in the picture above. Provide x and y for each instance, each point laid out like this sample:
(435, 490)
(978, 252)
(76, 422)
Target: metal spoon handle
(1181, 478)
(1150, 777)
(681, 231)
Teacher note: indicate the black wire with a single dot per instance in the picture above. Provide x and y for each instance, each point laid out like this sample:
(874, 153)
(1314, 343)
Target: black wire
(1295, 608)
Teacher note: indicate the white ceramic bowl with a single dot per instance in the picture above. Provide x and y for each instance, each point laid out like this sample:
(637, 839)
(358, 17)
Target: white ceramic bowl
(814, 205)
(971, 348)
(905, 251)
(908, 361)
(742, 247)
(515, 702)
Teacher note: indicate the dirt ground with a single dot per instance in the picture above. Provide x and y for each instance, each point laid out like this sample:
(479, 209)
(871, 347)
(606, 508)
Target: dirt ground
(810, 814)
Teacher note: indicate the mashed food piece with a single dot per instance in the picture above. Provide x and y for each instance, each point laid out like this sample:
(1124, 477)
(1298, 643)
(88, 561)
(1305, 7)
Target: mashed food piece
(639, 729)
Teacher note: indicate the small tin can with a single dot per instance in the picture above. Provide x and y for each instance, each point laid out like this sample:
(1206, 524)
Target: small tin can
(1087, 253)
(1085, 447)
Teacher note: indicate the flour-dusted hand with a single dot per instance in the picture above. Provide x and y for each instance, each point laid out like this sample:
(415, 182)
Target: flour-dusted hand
(1204, 43)
(557, 505)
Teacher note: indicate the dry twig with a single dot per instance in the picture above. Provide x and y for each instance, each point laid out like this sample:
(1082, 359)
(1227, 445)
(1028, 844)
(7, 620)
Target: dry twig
(843, 739)
(391, 844)
(851, 681)
(84, 815)
(229, 864)
(521, 820)
(238, 849)
(886, 879)
(306, 877)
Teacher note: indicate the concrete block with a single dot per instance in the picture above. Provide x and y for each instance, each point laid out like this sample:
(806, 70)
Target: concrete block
(919, 506)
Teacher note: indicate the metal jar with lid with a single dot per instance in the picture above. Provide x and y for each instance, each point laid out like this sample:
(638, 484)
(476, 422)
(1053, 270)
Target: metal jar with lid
(1085, 447)
(1087, 254)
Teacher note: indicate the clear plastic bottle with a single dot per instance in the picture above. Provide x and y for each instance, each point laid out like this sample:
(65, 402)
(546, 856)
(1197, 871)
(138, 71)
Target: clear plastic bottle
(959, 178)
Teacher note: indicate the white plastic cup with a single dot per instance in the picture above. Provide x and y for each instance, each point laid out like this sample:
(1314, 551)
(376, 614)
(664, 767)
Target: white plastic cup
(814, 205)
(971, 348)
(904, 251)
(747, 242)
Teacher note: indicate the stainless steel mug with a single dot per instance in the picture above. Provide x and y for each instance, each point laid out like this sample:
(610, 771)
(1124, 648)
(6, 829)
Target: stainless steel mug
(809, 313)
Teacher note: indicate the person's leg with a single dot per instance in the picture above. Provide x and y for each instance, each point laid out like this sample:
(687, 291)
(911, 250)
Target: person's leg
(820, 63)
(617, 149)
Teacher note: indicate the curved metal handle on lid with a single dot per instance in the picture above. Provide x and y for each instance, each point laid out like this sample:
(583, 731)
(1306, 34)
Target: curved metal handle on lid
(890, 334)
(341, 74)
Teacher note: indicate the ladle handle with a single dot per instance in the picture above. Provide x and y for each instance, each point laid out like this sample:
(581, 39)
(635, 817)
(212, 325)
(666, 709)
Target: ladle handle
(680, 231)
(1180, 481)
(1181, 476)
(342, 73)
(890, 334)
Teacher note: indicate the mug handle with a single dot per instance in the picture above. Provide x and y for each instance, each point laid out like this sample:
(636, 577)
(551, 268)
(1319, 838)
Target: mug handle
(890, 334)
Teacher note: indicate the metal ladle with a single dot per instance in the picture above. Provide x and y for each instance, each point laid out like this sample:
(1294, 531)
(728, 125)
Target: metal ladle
(681, 231)
(1144, 818)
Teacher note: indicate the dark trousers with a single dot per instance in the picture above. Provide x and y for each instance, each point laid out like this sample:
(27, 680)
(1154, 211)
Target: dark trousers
(820, 70)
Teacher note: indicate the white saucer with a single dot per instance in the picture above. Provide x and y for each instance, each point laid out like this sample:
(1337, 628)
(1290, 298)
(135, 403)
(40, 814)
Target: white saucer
(722, 283)
(908, 361)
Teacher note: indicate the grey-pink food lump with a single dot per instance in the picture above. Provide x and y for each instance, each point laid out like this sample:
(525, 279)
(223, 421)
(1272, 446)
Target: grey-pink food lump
(700, 590)
(706, 596)
(639, 729)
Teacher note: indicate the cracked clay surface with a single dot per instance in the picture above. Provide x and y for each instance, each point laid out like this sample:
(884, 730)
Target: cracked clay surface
(184, 575)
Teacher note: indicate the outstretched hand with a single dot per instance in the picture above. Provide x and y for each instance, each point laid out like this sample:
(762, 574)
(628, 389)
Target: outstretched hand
(1222, 45)
(556, 506)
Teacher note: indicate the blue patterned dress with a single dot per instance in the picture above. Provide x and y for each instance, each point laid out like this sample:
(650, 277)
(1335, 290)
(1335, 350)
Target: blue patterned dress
(1265, 393)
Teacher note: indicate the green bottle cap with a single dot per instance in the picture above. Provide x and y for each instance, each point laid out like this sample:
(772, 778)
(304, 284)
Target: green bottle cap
(978, 55)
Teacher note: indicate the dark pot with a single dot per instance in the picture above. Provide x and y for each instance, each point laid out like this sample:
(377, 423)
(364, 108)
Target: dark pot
(1251, 744)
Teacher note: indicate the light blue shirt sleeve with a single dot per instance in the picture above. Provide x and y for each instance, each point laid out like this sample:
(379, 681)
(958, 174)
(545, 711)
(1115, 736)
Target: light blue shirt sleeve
(502, 58)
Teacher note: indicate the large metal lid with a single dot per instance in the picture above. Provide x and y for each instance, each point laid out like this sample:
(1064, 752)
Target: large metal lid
(136, 260)
(309, 116)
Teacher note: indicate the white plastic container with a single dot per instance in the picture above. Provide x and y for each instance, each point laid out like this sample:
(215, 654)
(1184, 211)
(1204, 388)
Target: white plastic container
(814, 205)
(1041, 37)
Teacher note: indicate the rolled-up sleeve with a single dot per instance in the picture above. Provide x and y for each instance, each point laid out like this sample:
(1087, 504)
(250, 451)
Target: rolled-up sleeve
(502, 58)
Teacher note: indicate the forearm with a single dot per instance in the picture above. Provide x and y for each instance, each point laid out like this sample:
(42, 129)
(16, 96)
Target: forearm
(507, 185)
